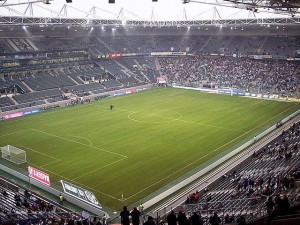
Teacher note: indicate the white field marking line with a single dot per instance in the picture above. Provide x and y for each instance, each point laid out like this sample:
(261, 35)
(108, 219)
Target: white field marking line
(100, 149)
(91, 143)
(94, 104)
(207, 125)
(200, 100)
(102, 167)
(38, 152)
(172, 119)
(150, 114)
(67, 179)
(205, 155)
(47, 164)
(256, 103)
(14, 132)
(177, 119)
(229, 111)
(139, 121)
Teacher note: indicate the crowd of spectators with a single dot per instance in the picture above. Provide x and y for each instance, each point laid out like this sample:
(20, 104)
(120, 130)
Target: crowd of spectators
(196, 218)
(270, 184)
(27, 208)
(265, 76)
(260, 76)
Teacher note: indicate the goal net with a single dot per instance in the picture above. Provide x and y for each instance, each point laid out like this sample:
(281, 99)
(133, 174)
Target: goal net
(13, 154)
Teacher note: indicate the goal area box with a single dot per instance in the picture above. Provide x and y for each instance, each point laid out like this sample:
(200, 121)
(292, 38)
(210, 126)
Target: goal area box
(13, 154)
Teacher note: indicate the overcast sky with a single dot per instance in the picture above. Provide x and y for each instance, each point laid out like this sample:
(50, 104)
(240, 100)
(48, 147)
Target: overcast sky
(139, 9)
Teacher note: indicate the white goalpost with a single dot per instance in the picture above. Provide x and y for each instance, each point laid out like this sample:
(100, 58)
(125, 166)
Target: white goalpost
(13, 154)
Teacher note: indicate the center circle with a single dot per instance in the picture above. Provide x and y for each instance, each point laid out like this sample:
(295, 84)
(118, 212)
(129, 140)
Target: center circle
(155, 117)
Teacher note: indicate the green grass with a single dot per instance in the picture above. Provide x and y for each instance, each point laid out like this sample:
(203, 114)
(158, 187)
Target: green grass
(148, 140)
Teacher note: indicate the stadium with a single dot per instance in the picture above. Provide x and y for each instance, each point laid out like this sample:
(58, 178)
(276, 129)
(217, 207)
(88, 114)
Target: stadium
(184, 112)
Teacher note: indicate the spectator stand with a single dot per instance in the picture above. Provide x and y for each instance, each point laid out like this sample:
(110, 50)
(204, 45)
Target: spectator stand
(271, 171)
(23, 206)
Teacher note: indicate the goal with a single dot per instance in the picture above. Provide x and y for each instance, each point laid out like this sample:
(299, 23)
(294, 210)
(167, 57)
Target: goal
(13, 154)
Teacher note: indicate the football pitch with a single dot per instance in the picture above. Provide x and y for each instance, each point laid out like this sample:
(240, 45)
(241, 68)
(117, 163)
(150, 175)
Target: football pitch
(148, 140)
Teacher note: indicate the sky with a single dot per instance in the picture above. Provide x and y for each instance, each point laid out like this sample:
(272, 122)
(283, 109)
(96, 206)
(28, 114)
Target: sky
(137, 10)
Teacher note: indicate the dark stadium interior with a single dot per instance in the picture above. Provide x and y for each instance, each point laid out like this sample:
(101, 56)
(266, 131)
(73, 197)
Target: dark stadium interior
(42, 66)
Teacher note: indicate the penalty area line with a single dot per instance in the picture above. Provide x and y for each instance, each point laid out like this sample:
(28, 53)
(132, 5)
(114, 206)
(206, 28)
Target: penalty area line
(38, 152)
(16, 132)
(63, 138)
(91, 143)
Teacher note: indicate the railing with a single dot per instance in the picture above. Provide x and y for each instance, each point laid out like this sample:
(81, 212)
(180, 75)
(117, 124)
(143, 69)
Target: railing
(256, 208)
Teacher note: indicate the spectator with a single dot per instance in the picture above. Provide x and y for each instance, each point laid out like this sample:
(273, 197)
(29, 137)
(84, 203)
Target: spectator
(285, 205)
(215, 219)
(241, 220)
(135, 216)
(125, 216)
(4, 193)
(61, 199)
(228, 219)
(141, 208)
(150, 221)
(195, 219)
(270, 209)
(171, 218)
(181, 218)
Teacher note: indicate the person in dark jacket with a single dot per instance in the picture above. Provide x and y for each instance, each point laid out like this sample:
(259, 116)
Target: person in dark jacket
(124, 214)
(135, 216)
(195, 219)
(215, 219)
(150, 221)
(171, 218)
(181, 218)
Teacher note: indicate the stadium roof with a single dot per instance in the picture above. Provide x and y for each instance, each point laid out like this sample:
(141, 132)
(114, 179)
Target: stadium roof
(147, 12)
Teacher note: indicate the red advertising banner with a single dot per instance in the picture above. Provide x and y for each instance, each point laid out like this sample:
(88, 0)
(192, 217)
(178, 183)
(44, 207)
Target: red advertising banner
(13, 115)
(39, 175)
(162, 80)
